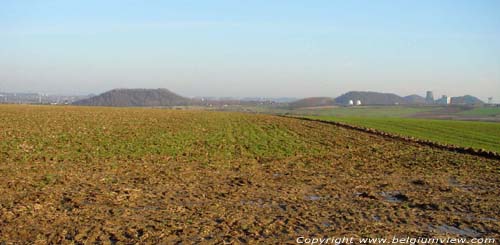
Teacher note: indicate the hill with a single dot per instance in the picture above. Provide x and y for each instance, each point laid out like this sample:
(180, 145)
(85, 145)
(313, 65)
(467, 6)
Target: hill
(312, 101)
(467, 100)
(370, 98)
(135, 97)
(414, 99)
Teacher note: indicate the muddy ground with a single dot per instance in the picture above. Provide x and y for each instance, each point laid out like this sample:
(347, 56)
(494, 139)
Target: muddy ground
(324, 181)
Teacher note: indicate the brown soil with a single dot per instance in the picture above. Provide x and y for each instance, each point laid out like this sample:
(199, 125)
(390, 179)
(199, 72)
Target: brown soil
(363, 185)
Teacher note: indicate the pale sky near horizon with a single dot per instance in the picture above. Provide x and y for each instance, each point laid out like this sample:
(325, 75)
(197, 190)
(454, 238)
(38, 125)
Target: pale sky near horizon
(252, 48)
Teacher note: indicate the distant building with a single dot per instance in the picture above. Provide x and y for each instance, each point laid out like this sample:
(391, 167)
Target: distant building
(445, 100)
(457, 101)
(490, 100)
(429, 98)
(358, 102)
(351, 102)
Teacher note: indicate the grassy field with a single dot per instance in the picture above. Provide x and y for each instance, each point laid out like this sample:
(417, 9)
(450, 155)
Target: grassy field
(82, 175)
(487, 111)
(133, 133)
(358, 111)
(370, 111)
(480, 135)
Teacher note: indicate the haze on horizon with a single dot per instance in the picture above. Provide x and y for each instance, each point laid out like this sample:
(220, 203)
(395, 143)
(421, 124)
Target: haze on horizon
(252, 48)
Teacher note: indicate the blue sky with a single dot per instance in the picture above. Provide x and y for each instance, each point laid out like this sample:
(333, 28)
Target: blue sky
(252, 48)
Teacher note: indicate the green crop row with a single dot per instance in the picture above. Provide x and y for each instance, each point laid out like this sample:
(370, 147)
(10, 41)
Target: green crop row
(480, 135)
(31, 133)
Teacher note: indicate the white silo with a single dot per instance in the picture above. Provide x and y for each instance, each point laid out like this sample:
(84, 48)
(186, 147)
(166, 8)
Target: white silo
(358, 102)
(351, 102)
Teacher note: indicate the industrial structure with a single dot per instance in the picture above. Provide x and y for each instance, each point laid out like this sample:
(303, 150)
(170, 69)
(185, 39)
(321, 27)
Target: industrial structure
(354, 102)
(429, 98)
(445, 100)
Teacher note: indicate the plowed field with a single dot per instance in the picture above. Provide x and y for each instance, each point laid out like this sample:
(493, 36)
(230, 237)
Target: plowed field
(103, 175)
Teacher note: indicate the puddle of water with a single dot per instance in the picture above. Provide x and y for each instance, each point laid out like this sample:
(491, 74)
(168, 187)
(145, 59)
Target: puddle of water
(257, 202)
(476, 218)
(488, 219)
(395, 196)
(455, 183)
(457, 231)
(313, 197)
(365, 195)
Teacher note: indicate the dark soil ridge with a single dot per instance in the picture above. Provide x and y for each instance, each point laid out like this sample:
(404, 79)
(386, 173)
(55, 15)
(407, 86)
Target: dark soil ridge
(449, 147)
